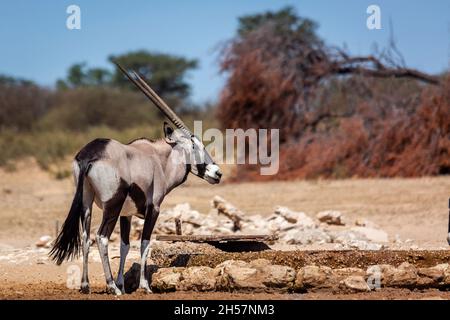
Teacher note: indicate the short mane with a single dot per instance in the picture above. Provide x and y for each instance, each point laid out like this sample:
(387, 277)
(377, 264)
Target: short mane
(142, 138)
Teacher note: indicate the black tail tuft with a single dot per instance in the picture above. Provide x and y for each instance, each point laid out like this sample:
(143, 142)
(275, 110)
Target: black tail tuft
(68, 242)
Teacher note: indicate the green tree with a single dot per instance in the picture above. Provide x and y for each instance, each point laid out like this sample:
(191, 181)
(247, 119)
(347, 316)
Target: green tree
(165, 73)
(79, 75)
(284, 21)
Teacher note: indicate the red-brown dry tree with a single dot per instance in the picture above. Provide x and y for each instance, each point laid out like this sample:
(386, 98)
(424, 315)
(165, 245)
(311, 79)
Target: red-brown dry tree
(338, 115)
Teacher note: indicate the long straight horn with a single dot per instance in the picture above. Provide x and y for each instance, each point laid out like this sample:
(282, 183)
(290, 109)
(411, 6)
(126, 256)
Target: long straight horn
(157, 101)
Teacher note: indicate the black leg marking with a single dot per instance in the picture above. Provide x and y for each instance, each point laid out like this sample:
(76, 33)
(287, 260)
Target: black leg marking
(125, 227)
(138, 197)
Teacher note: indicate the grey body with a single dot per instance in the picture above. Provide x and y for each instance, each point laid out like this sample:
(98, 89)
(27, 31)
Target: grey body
(144, 164)
(125, 180)
(142, 167)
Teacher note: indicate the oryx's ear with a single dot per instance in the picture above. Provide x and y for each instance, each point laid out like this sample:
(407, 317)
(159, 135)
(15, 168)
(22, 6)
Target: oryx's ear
(168, 133)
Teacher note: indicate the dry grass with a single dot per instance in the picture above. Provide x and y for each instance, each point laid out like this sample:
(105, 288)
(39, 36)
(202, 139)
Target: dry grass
(31, 200)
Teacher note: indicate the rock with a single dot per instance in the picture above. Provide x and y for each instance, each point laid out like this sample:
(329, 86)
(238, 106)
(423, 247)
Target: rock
(446, 280)
(306, 236)
(166, 279)
(372, 234)
(198, 279)
(403, 276)
(376, 275)
(314, 277)
(346, 236)
(44, 242)
(364, 245)
(274, 276)
(365, 223)
(257, 275)
(259, 263)
(356, 283)
(331, 217)
(275, 223)
(436, 273)
(397, 239)
(277, 276)
(354, 240)
(236, 274)
(346, 272)
(294, 217)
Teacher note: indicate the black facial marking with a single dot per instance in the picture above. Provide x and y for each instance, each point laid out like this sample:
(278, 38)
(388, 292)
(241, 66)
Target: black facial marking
(138, 197)
(93, 150)
(201, 169)
(188, 169)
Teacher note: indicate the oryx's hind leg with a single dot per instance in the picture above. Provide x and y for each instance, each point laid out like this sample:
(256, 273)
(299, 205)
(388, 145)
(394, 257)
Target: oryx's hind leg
(111, 213)
(88, 199)
(149, 224)
(125, 227)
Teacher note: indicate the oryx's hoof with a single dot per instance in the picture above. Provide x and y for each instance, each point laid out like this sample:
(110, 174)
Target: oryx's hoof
(121, 287)
(112, 289)
(144, 288)
(85, 288)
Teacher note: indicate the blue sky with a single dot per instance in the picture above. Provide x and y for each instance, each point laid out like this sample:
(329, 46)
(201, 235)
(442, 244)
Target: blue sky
(35, 43)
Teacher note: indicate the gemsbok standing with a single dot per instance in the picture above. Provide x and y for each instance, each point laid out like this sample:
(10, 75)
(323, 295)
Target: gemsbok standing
(126, 180)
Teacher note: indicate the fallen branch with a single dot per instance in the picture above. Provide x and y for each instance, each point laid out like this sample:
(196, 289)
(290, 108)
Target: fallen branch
(228, 210)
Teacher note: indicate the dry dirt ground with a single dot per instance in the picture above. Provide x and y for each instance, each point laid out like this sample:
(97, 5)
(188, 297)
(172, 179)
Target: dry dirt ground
(31, 201)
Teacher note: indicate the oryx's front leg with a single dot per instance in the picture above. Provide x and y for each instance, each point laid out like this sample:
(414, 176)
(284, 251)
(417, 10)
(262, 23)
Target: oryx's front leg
(149, 224)
(125, 227)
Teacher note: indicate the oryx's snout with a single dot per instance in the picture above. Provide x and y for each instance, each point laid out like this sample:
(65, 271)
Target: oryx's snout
(213, 173)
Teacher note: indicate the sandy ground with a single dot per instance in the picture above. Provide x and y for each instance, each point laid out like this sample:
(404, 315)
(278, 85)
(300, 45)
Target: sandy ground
(31, 201)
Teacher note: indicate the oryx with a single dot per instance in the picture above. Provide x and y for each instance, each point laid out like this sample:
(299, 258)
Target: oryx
(126, 180)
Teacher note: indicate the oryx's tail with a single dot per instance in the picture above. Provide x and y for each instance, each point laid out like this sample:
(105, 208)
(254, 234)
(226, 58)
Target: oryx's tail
(67, 244)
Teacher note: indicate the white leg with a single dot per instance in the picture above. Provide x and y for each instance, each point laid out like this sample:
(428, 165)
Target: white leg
(111, 287)
(124, 249)
(143, 282)
(88, 198)
(125, 227)
(85, 288)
